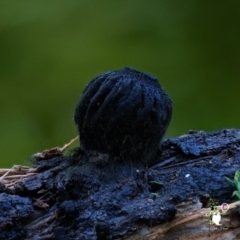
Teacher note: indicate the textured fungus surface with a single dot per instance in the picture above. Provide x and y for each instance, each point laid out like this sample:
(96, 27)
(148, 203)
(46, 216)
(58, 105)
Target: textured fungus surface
(125, 114)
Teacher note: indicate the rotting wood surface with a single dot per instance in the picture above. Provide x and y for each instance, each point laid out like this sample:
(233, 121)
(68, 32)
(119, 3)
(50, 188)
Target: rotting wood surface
(87, 196)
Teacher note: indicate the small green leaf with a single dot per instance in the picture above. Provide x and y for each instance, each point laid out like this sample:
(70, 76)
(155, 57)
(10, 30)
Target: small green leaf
(237, 176)
(155, 195)
(236, 193)
(230, 180)
(156, 182)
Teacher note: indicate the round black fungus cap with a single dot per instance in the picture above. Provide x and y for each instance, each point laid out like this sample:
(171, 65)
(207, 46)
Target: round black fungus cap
(124, 113)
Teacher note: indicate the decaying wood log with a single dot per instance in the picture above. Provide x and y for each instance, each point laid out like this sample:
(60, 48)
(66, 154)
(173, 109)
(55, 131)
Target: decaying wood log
(82, 195)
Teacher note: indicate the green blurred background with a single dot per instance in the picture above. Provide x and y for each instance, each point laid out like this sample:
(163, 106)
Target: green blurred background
(49, 50)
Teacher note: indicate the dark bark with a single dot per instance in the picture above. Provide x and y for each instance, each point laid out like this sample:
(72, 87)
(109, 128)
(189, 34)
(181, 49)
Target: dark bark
(87, 195)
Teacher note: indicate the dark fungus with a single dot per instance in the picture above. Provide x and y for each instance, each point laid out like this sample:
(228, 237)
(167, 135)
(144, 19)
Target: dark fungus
(123, 113)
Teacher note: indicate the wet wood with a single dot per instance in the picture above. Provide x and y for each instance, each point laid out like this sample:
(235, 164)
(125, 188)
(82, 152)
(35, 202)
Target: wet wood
(91, 196)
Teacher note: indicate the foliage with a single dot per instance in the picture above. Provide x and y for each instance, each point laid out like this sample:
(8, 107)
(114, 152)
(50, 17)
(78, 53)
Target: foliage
(235, 181)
